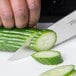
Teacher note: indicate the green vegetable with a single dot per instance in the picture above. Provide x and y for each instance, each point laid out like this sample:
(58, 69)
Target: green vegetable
(73, 73)
(44, 40)
(59, 71)
(48, 57)
(12, 39)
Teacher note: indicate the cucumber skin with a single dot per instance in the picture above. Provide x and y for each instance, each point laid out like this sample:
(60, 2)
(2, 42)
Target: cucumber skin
(49, 61)
(64, 74)
(34, 40)
(23, 34)
(72, 73)
(52, 61)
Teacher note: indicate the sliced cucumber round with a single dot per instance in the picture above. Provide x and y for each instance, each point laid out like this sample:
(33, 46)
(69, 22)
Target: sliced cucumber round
(73, 73)
(59, 71)
(48, 57)
(44, 40)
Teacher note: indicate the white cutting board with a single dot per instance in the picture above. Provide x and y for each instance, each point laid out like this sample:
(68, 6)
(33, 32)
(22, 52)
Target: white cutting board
(30, 67)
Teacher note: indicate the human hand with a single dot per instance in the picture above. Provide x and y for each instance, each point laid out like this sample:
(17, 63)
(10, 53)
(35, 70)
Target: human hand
(19, 13)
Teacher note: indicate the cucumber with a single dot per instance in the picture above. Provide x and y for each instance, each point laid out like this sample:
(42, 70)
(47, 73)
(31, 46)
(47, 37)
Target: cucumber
(44, 40)
(59, 71)
(12, 39)
(48, 57)
(73, 73)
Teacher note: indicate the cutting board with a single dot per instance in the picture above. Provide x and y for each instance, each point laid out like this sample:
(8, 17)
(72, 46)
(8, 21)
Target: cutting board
(29, 67)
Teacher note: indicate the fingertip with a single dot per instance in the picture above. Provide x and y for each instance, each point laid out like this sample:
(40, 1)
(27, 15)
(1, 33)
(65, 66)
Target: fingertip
(33, 22)
(21, 26)
(7, 21)
(21, 20)
(9, 26)
(34, 26)
(31, 25)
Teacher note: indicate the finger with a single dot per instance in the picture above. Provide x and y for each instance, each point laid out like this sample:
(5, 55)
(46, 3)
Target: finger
(20, 12)
(34, 9)
(0, 22)
(6, 14)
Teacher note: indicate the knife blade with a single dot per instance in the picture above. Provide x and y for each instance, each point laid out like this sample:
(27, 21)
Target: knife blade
(65, 29)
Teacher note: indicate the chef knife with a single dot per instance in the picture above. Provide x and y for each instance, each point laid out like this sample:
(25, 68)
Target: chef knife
(65, 29)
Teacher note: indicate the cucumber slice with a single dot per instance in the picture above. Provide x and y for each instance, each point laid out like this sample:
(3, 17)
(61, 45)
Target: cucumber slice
(59, 71)
(12, 39)
(48, 57)
(44, 40)
(73, 73)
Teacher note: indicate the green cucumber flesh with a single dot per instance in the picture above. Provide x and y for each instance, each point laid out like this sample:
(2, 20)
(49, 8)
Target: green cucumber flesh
(43, 41)
(59, 71)
(48, 57)
(73, 73)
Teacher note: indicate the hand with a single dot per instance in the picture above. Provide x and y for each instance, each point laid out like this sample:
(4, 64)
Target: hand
(19, 13)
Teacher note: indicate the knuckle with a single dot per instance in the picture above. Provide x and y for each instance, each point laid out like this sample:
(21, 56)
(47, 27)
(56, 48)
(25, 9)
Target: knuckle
(21, 14)
(7, 16)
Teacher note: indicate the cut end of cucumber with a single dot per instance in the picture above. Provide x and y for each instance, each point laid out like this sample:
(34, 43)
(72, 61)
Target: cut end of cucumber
(48, 57)
(59, 71)
(44, 41)
(47, 39)
(46, 54)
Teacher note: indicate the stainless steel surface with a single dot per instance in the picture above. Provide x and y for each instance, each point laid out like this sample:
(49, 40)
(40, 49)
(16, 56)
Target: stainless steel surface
(65, 29)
